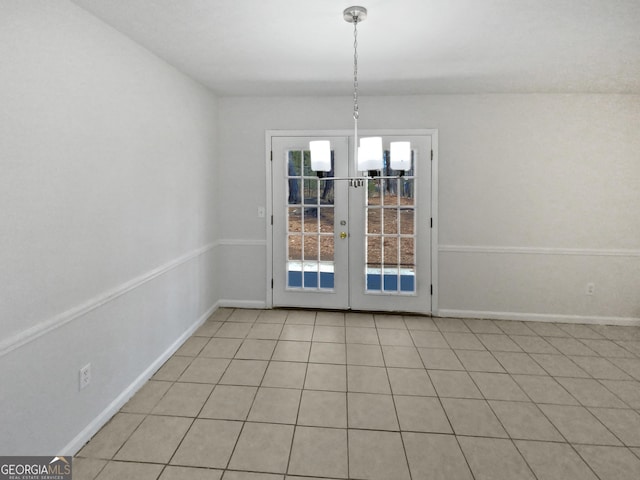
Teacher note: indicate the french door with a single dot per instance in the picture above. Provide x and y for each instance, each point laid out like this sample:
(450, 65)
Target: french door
(337, 246)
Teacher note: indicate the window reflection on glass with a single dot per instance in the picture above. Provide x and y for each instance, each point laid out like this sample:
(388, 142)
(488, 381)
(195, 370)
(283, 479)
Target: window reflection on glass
(373, 272)
(326, 248)
(407, 191)
(390, 191)
(374, 251)
(373, 192)
(295, 219)
(390, 220)
(307, 163)
(310, 256)
(294, 163)
(326, 219)
(326, 191)
(373, 220)
(390, 251)
(390, 242)
(293, 171)
(310, 220)
(407, 252)
(310, 191)
(407, 221)
(294, 247)
(310, 247)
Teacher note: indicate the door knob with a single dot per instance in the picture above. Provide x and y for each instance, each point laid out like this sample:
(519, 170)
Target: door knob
(343, 235)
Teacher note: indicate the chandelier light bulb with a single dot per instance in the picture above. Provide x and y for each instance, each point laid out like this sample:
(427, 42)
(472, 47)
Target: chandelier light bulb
(320, 155)
(401, 155)
(370, 154)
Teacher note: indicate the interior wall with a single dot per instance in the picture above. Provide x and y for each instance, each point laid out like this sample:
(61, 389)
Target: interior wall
(107, 220)
(538, 197)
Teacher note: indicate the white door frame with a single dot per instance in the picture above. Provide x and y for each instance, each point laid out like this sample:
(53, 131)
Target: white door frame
(269, 134)
(303, 296)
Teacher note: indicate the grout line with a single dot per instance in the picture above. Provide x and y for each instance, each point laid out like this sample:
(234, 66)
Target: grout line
(509, 435)
(584, 460)
(101, 468)
(346, 400)
(255, 395)
(441, 328)
(443, 409)
(511, 439)
(393, 399)
(295, 425)
(201, 407)
(614, 393)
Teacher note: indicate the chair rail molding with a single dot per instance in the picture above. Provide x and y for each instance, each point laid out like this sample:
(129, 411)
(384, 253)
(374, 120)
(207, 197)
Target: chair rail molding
(30, 334)
(241, 242)
(494, 249)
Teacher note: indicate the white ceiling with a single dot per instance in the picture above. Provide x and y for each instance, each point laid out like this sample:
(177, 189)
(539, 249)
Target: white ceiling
(304, 47)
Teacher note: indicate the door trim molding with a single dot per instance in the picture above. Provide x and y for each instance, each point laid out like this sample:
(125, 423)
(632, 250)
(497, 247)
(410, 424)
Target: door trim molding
(270, 134)
(435, 218)
(268, 283)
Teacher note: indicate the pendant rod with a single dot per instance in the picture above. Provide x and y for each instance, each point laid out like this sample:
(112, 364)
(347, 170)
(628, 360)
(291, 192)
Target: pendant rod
(356, 112)
(355, 15)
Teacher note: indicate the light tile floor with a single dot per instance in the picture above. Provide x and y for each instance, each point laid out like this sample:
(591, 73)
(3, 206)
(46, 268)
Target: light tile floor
(285, 394)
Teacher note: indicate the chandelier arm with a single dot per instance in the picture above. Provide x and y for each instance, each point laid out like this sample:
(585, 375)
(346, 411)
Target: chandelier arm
(367, 177)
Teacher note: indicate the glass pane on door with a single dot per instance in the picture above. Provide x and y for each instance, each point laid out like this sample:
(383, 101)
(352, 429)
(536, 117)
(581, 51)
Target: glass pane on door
(310, 230)
(390, 233)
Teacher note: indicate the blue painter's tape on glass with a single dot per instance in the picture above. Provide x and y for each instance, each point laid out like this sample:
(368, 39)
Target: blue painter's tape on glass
(373, 281)
(391, 282)
(311, 279)
(294, 279)
(407, 283)
(326, 280)
(312, 274)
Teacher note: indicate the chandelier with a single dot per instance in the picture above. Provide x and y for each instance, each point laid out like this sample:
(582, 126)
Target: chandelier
(368, 154)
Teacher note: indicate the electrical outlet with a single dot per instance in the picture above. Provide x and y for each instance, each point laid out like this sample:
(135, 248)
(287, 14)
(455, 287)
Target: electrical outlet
(85, 376)
(591, 289)
(261, 212)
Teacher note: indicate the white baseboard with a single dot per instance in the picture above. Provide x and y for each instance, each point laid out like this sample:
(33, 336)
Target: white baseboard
(242, 303)
(538, 317)
(96, 424)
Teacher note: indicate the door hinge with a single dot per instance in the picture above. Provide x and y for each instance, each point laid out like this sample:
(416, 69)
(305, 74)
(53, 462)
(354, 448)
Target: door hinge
(272, 283)
(432, 289)
(431, 222)
(431, 155)
(272, 155)
(271, 219)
